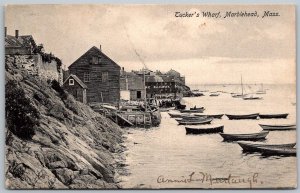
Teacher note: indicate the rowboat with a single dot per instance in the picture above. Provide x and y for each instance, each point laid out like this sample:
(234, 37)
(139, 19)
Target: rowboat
(249, 116)
(193, 111)
(273, 116)
(216, 116)
(278, 127)
(214, 94)
(204, 130)
(195, 122)
(248, 136)
(278, 151)
(196, 108)
(254, 147)
(252, 98)
(190, 118)
(178, 115)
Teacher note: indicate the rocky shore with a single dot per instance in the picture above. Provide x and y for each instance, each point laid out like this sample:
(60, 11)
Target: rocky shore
(72, 148)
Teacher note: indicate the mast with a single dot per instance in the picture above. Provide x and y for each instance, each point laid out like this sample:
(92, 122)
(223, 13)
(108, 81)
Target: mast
(145, 95)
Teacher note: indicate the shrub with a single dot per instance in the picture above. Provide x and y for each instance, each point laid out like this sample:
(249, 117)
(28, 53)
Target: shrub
(55, 85)
(21, 116)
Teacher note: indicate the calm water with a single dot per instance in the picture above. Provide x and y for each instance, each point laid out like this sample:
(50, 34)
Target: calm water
(167, 151)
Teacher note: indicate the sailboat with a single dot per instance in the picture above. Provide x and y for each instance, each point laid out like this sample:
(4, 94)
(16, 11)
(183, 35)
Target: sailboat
(242, 94)
(262, 90)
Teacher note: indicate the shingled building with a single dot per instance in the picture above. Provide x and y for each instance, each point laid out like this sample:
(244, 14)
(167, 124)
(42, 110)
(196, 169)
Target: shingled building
(100, 74)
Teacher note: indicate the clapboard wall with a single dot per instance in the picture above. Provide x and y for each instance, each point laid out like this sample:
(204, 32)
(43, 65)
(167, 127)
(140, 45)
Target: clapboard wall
(101, 88)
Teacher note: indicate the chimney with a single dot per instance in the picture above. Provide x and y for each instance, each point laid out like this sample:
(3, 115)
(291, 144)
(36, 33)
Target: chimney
(100, 48)
(5, 31)
(17, 33)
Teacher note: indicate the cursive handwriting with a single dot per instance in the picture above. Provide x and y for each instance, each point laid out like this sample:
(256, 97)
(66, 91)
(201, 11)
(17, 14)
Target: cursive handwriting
(203, 177)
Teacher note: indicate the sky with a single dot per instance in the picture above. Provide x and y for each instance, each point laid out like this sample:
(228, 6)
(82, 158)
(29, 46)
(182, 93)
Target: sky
(204, 50)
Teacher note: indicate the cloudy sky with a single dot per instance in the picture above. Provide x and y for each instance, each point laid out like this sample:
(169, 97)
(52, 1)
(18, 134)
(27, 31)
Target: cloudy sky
(205, 50)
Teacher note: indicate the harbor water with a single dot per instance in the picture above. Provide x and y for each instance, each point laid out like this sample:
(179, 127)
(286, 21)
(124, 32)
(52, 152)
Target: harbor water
(165, 157)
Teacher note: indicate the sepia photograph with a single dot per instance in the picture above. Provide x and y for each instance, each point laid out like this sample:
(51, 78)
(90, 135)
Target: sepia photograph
(150, 96)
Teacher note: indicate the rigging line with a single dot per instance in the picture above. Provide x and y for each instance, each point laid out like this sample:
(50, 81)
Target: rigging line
(133, 47)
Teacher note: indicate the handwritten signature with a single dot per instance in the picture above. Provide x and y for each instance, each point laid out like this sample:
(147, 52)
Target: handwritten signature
(203, 177)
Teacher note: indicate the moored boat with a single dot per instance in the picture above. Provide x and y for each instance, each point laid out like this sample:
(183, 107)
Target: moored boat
(196, 108)
(254, 147)
(178, 115)
(204, 130)
(195, 122)
(252, 97)
(247, 116)
(278, 151)
(248, 136)
(193, 111)
(278, 127)
(214, 94)
(190, 118)
(273, 116)
(216, 116)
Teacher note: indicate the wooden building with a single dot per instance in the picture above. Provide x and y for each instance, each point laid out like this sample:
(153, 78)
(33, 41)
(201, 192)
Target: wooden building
(134, 84)
(75, 87)
(100, 74)
(17, 45)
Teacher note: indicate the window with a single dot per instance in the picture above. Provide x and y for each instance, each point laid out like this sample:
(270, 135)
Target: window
(96, 60)
(71, 81)
(138, 94)
(86, 77)
(104, 76)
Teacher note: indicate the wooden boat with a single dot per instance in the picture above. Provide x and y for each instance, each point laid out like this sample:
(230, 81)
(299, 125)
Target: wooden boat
(254, 147)
(248, 136)
(278, 151)
(195, 122)
(273, 116)
(238, 95)
(248, 116)
(190, 118)
(196, 108)
(216, 116)
(214, 94)
(193, 111)
(252, 98)
(178, 115)
(278, 127)
(204, 130)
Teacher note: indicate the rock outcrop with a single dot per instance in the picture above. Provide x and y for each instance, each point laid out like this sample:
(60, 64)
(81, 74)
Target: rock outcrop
(73, 146)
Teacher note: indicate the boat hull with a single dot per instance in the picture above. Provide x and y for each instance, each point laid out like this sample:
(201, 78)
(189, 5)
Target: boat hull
(218, 129)
(217, 116)
(277, 127)
(256, 147)
(250, 116)
(193, 111)
(278, 151)
(248, 137)
(206, 121)
(273, 116)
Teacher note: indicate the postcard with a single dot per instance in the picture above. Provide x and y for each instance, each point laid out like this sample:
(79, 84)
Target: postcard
(132, 96)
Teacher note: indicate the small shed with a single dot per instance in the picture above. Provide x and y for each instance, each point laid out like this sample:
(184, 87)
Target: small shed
(75, 87)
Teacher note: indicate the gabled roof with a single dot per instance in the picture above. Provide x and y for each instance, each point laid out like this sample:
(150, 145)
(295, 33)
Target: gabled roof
(77, 80)
(99, 52)
(21, 41)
